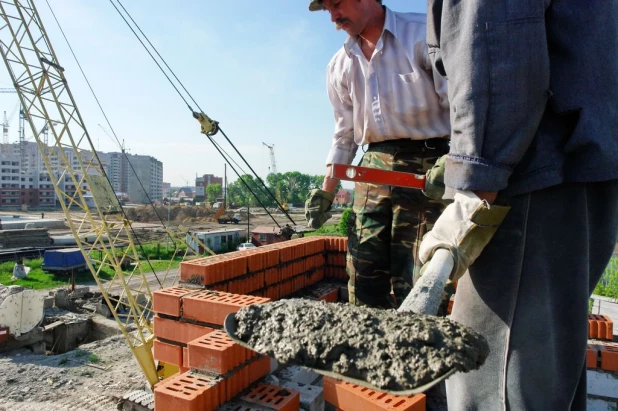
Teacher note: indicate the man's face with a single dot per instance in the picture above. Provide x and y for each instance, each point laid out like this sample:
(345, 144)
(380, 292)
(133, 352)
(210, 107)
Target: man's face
(347, 15)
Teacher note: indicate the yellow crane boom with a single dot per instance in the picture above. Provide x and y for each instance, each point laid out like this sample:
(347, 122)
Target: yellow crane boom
(74, 169)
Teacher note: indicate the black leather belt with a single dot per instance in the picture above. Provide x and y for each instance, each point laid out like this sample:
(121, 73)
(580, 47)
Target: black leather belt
(431, 143)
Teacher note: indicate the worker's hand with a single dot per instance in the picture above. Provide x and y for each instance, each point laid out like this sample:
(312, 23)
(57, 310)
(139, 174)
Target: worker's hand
(434, 181)
(317, 207)
(465, 227)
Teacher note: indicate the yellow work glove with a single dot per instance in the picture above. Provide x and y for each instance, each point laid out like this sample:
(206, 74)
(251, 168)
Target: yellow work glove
(465, 227)
(317, 207)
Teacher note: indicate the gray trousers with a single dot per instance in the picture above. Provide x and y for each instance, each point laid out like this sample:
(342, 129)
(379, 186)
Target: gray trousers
(528, 294)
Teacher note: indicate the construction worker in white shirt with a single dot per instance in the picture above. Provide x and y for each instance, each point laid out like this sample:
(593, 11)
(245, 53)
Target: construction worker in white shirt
(385, 96)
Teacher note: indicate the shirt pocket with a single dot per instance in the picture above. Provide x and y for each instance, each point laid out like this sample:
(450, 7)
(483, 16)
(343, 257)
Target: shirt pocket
(406, 96)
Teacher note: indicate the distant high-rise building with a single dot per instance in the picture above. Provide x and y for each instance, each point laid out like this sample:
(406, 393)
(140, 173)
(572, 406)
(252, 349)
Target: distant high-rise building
(30, 184)
(167, 188)
(145, 179)
(118, 172)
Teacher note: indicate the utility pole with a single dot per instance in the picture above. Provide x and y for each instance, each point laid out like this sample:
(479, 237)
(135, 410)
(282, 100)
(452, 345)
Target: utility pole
(225, 185)
(248, 231)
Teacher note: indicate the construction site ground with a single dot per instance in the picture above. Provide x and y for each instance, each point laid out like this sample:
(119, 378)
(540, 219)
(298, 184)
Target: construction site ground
(95, 376)
(148, 224)
(92, 377)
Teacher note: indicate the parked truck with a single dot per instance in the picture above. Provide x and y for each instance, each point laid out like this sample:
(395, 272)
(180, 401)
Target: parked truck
(224, 217)
(228, 218)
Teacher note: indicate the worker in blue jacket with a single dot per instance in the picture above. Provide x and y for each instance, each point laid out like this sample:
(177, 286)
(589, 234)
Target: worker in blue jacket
(533, 91)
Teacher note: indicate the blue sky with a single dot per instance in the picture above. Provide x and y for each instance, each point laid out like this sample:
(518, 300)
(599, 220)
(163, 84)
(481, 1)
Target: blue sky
(256, 67)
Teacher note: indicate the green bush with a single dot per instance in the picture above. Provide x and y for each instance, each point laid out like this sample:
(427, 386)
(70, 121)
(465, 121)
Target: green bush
(346, 221)
(608, 285)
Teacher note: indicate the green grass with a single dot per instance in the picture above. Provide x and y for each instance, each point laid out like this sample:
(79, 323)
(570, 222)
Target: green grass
(608, 286)
(38, 279)
(94, 358)
(159, 265)
(327, 229)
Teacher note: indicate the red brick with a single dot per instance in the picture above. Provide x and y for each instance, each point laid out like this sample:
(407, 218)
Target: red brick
(168, 300)
(212, 307)
(609, 327)
(214, 352)
(449, 309)
(187, 392)
(350, 397)
(274, 397)
(185, 358)
(178, 331)
(272, 276)
(609, 357)
(237, 382)
(258, 369)
(592, 356)
(168, 353)
(255, 260)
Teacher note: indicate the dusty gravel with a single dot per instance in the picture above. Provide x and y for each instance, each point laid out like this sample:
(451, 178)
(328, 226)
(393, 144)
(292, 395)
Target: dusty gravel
(90, 378)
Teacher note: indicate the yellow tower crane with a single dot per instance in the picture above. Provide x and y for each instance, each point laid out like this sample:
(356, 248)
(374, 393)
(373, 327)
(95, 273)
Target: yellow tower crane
(102, 231)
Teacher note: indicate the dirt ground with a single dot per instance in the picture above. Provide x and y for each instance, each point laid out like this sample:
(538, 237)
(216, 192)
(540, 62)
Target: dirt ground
(94, 376)
(90, 378)
(147, 224)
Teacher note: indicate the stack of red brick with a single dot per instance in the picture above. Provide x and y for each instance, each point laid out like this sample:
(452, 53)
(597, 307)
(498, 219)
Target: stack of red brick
(274, 271)
(336, 249)
(213, 369)
(601, 354)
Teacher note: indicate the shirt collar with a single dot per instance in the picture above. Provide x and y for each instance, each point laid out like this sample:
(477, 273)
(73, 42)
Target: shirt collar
(352, 45)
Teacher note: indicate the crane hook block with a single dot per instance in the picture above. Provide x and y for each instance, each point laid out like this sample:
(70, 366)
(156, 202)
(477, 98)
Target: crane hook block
(209, 126)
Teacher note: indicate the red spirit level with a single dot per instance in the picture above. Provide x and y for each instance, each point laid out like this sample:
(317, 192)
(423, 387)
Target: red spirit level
(375, 176)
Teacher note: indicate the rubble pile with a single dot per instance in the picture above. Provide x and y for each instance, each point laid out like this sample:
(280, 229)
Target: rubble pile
(37, 237)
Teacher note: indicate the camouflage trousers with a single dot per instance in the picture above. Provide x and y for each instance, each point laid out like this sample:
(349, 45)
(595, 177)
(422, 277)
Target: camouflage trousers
(389, 224)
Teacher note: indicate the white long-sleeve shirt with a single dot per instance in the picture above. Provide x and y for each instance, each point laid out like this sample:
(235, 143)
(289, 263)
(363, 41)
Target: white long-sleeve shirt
(394, 95)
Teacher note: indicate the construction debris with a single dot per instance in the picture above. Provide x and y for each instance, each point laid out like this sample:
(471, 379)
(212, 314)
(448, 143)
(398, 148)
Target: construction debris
(389, 350)
(38, 237)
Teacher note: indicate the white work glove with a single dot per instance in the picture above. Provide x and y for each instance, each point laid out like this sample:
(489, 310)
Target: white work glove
(465, 227)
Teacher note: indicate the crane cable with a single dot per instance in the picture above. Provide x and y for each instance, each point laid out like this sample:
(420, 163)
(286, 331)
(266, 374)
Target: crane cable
(99, 160)
(265, 189)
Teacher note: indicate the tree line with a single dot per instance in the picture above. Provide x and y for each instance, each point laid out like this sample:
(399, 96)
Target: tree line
(292, 187)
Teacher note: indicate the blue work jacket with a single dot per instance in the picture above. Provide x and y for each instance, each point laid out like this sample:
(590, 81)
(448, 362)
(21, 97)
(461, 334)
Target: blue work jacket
(533, 88)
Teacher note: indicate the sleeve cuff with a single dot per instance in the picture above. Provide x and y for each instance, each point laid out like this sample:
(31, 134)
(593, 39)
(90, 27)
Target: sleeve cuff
(469, 174)
(338, 155)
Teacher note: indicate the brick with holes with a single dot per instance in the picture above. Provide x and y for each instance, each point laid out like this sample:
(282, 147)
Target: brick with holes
(212, 307)
(273, 397)
(351, 397)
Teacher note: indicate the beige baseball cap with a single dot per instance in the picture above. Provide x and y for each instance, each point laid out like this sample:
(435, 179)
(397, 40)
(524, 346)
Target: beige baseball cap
(316, 5)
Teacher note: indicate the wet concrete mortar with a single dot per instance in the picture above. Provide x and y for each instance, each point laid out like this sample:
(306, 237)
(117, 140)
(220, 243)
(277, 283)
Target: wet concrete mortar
(388, 349)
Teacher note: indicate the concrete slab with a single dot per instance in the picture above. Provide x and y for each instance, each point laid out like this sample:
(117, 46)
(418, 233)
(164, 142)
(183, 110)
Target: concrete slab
(311, 396)
(298, 374)
(48, 302)
(603, 384)
(103, 328)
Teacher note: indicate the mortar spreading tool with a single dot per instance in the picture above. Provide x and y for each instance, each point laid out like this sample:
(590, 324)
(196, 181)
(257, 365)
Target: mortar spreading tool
(425, 297)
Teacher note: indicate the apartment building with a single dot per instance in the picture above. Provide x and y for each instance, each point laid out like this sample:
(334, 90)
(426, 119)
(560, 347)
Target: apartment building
(30, 184)
(145, 181)
(201, 183)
